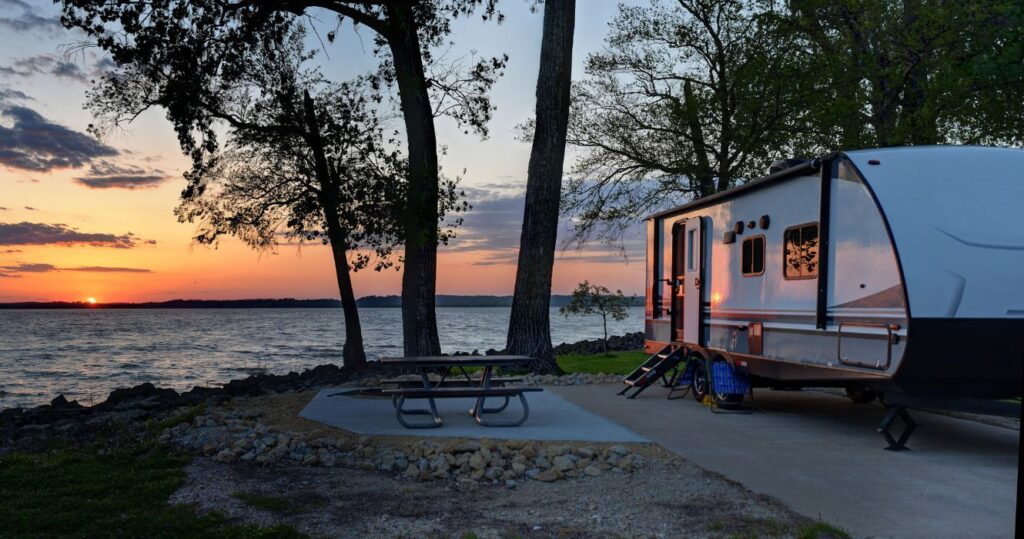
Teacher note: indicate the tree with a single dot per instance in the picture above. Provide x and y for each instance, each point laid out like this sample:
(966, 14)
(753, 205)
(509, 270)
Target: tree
(589, 299)
(294, 167)
(687, 99)
(529, 330)
(188, 42)
(912, 71)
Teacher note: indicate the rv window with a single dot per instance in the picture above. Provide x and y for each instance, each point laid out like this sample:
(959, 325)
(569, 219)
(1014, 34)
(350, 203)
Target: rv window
(800, 254)
(752, 261)
(690, 239)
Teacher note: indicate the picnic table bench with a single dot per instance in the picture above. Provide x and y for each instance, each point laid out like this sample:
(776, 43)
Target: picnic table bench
(485, 387)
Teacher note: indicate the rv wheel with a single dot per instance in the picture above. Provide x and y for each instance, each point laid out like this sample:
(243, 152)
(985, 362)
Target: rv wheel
(699, 386)
(860, 394)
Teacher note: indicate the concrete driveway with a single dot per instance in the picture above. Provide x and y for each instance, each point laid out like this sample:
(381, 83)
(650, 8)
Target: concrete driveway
(820, 455)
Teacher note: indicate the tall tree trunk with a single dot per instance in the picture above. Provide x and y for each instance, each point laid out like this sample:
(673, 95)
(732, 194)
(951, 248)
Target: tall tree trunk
(353, 354)
(419, 280)
(529, 330)
(604, 320)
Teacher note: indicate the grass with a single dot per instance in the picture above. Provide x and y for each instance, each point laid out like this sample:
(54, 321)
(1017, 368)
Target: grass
(185, 417)
(274, 504)
(621, 363)
(820, 530)
(88, 493)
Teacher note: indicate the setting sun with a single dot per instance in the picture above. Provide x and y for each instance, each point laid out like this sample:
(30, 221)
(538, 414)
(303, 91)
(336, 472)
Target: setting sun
(90, 301)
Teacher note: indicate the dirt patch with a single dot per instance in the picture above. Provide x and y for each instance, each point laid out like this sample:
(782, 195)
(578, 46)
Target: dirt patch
(667, 498)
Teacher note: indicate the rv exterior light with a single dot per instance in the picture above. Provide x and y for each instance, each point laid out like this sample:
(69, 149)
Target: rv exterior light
(730, 237)
(874, 162)
(751, 224)
(764, 221)
(738, 227)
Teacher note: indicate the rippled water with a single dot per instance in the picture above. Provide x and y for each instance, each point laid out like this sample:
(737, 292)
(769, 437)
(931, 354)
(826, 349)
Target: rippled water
(86, 353)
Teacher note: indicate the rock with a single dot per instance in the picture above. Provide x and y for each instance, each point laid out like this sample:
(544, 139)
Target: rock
(225, 456)
(563, 463)
(248, 457)
(309, 460)
(511, 484)
(542, 463)
(619, 450)
(582, 464)
(466, 447)
(584, 452)
(493, 474)
(477, 475)
(532, 473)
(629, 462)
(477, 462)
(518, 468)
(549, 475)
(556, 450)
(592, 471)
(411, 471)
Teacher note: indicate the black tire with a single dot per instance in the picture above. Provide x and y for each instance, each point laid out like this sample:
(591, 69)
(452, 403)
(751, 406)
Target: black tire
(861, 394)
(699, 385)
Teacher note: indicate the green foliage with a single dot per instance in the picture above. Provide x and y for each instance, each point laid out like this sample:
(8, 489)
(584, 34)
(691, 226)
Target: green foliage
(910, 72)
(820, 530)
(621, 363)
(89, 493)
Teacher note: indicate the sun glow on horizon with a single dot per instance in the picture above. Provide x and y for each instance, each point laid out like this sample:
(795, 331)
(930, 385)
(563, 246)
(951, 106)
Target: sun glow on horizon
(90, 300)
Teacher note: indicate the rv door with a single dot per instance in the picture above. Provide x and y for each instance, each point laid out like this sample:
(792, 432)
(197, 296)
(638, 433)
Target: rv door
(693, 281)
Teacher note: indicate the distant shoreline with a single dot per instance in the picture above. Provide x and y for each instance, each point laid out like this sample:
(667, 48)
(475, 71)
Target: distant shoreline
(367, 302)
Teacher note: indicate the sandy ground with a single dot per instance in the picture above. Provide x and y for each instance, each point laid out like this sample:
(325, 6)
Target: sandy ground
(667, 497)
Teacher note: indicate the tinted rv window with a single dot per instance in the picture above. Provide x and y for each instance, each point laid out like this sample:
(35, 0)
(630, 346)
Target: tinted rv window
(801, 251)
(752, 260)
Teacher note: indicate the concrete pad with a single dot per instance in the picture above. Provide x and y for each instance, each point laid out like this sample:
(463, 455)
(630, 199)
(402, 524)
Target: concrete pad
(820, 455)
(551, 418)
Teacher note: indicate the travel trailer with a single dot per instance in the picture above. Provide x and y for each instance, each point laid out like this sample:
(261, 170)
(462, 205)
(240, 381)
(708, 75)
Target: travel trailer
(896, 272)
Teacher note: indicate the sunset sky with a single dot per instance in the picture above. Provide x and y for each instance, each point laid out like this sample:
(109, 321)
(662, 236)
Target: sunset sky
(81, 217)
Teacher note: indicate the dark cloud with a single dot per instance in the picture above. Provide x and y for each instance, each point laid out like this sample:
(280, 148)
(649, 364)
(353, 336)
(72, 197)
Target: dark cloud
(2, 208)
(17, 269)
(45, 64)
(30, 208)
(10, 93)
(494, 226)
(10, 251)
(34, 143)
(105, 269)
(106, 175)
(25, 233)
(30, 21)
(29, 268)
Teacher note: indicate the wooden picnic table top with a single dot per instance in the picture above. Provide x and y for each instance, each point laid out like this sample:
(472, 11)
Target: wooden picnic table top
(456, 361)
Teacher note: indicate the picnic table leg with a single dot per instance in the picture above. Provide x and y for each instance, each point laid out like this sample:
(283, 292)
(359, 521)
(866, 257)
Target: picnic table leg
(485, 383)
(398, 402)
(399, 413)
(515, 423)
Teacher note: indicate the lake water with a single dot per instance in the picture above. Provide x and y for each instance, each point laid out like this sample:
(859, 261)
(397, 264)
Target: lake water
(84, 354)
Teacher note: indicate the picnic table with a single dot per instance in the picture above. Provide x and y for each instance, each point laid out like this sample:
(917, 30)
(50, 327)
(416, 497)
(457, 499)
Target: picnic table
(468, 387)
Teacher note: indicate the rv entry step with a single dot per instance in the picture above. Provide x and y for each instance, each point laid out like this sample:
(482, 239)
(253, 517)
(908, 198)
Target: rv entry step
(654, 368)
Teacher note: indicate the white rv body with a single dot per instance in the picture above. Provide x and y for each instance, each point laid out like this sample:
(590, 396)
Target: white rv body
(896, 269)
